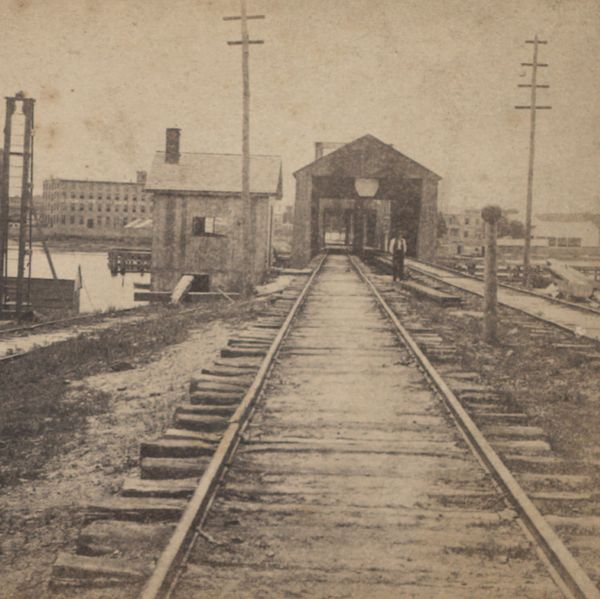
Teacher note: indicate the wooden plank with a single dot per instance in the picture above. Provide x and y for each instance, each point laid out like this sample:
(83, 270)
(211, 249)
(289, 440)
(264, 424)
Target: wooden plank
(442, 298)
(215, 398)
(242, 353)
(83, 568)
(183, 433)
(214, 410)
(140, 510)
(166, 468)
(166, 489)
(203, 423)
(175, 448)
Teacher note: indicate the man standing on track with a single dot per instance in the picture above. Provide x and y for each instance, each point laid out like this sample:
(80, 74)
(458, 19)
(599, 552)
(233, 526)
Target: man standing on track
(398, 250)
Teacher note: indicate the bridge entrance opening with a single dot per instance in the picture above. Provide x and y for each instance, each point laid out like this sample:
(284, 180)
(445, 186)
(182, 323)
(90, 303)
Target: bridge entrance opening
(345, 219)
(343, 223)
(359, 196)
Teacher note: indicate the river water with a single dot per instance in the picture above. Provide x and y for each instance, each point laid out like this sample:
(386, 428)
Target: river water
(101, 290)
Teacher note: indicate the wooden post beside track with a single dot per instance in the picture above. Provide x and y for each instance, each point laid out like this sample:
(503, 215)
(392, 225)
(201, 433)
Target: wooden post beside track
(490, 215)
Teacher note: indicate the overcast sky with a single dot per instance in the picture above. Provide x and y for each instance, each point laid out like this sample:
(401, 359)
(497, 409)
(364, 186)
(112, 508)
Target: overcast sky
(436, 78)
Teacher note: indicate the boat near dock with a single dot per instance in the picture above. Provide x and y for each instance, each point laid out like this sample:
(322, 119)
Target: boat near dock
(123, 260)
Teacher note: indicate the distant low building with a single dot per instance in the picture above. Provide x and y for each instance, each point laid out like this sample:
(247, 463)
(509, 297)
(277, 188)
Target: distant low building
(198, 216)
(567, 230)
(87, 208)
(464, 232)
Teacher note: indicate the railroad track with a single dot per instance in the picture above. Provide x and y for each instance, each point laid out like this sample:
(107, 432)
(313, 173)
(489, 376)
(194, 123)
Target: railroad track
(349, 473)
(433, 268)
(59, 322)
(109, 320)
(581, 320)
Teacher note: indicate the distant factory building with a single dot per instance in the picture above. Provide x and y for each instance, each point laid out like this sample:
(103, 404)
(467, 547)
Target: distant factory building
(198, 216)
(87, 208)
(567, 230)
(358, 195)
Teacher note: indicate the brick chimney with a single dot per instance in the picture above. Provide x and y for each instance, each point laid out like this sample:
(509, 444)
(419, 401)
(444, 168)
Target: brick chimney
(318, 150)
(172, 146)
(140, 178)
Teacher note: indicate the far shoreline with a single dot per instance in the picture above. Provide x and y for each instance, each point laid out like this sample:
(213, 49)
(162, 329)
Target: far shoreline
(87, 244)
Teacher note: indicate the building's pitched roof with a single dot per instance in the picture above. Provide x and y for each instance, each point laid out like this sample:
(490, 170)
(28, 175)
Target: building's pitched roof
(373, 141)
(569, 217)
(214, 173)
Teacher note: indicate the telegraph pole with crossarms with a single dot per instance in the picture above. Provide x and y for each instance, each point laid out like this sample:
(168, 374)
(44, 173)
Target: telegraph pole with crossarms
(248, 241)
(533, 108)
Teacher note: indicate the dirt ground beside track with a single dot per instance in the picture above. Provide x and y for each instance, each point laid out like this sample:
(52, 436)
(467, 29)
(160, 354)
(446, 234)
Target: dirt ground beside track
(558, 388)
(110, 412)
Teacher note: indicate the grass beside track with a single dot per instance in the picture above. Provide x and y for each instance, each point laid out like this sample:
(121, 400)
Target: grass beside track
(40, 417)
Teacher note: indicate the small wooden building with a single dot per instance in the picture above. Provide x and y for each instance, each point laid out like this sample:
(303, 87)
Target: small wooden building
(198, 216)
(358, 196)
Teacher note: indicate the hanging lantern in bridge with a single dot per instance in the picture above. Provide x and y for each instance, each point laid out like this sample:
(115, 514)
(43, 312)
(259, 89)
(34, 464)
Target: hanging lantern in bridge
(366, 188)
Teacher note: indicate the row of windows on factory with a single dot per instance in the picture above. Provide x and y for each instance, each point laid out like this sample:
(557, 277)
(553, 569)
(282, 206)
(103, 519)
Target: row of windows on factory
(97, 196)
(107, 208)
(564, 242)
(90, 222)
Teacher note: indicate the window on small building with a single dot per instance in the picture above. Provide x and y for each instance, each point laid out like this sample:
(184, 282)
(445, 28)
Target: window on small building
(552, 242)
(203, 225)
(562, 242)
(574, 242)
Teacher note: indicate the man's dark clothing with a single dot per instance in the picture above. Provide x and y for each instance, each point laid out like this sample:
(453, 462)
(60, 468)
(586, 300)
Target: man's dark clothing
(398, 251)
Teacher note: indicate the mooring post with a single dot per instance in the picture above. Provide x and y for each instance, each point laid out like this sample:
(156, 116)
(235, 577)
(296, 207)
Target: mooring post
(491, 215)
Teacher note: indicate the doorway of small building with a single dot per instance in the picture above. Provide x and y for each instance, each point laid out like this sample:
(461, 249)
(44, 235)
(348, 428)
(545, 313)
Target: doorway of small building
(200, 283)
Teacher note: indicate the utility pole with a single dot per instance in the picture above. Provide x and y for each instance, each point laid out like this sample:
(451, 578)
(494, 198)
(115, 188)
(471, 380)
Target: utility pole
(491, 215)
(533, 107)
(4, 201)
(247, 229)
(26, 154)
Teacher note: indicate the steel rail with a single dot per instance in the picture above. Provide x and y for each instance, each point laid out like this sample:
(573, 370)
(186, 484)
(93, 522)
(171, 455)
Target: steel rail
(159, 583)
(152, 317)
(554, 300)
(50, 323)
(543, 319)
(569, 570)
